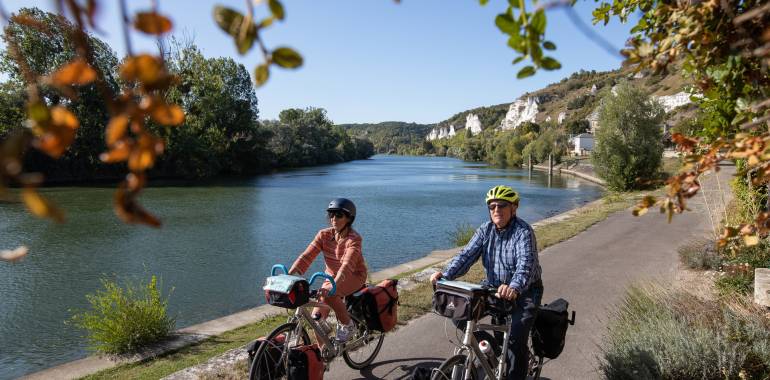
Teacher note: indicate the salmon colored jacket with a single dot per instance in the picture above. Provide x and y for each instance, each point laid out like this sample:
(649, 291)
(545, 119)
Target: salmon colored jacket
(343, 258)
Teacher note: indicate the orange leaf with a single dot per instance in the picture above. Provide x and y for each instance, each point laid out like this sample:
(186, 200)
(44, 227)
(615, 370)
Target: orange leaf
(40, 206)
(14, 254)
(119, 152)
(141, 159)
(116, 128)
(144, 68)
(62, 117)
(168, 114)
(152, 23)
(131, 212)
(77, 72)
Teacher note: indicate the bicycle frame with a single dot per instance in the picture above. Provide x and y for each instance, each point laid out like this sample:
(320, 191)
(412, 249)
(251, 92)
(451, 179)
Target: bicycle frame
(471, 345)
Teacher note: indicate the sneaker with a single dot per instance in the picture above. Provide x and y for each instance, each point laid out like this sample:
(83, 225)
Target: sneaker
(345, 331)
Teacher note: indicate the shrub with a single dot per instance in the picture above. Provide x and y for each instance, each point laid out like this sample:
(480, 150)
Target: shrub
(628, 143)
(124, 320)
(663, 333)
(462, 234)
(730, 284)
(700, 254)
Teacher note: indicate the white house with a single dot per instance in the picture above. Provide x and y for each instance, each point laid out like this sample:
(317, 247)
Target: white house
(584, 143)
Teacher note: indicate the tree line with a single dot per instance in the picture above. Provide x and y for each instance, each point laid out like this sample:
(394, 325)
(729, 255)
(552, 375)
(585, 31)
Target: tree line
(221, 133)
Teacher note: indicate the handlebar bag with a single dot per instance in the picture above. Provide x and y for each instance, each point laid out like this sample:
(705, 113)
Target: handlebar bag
(286, 291)
(273, 350)
(377, 305)
(305, 363)
(550, 330)
(459, 300)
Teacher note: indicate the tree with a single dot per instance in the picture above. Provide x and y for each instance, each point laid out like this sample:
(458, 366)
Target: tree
(628, 143)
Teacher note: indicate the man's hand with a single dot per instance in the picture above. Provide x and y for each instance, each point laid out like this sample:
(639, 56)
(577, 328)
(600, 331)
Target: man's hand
(507, 293)
(435, 277)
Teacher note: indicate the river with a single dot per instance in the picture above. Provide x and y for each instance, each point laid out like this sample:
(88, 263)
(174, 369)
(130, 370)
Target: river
(218, 241)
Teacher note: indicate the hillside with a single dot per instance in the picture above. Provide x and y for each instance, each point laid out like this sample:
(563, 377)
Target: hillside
(391, 136)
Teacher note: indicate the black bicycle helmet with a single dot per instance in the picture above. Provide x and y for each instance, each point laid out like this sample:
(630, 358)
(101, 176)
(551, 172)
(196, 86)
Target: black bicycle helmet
(345, 205)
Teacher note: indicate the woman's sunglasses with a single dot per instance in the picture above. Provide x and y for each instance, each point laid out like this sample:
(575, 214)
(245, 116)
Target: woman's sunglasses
(336, 214)
(500, 205)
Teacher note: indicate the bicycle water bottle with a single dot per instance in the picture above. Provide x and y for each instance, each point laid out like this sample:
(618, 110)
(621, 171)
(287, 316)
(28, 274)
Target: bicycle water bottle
(486, 349)
(325, 326)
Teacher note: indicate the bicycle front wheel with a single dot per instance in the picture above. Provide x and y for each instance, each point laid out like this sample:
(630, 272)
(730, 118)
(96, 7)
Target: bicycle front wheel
(366, 345)
(453, 369)
(271, 359)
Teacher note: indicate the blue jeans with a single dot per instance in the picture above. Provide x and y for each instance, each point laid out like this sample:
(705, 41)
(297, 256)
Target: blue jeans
(522, 319)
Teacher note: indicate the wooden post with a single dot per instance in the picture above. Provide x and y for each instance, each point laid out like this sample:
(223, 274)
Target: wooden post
(530, 163)
(762, 286)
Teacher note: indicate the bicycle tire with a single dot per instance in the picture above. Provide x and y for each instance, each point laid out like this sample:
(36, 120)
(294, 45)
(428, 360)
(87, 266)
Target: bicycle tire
(265, 365)
(447, 367)
(377, 338)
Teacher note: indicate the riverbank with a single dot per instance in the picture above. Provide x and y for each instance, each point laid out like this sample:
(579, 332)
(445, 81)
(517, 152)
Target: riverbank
(211, 339)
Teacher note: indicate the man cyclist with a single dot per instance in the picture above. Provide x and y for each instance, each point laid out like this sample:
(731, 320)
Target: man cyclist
(508, 248)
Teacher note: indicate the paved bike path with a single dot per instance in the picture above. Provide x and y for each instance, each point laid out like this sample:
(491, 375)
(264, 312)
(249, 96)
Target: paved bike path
(591, 271)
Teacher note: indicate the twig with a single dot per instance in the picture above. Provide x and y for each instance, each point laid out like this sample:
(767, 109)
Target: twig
(124, 15)
(590, 34)
(751, 14)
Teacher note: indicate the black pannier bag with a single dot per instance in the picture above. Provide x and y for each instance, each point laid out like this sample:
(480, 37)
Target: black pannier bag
(459, 300)
(286, 291)
(550, 330)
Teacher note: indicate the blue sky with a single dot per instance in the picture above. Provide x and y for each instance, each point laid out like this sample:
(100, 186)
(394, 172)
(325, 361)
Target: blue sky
(376, 60)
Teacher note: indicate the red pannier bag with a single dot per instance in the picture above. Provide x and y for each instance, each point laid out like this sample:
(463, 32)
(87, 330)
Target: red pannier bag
(305, 363)
(273, 350)
(377, 305)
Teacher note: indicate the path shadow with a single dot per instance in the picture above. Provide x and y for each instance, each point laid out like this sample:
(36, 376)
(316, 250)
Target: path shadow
(368, 372)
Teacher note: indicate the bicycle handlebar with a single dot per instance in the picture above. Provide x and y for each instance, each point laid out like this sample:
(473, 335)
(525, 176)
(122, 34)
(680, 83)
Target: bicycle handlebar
(312, 278)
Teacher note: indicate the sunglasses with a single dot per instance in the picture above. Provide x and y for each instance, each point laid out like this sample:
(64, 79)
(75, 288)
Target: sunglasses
(336, 214)
(500, 205)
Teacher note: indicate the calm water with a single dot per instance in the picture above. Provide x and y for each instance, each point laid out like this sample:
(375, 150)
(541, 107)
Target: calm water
(219, 241)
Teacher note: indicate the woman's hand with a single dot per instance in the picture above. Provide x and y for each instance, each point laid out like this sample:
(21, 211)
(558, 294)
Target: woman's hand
(435, 277)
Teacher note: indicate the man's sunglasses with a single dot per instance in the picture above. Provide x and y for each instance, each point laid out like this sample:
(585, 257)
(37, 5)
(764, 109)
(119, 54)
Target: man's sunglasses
(336, 214)
(500, 205)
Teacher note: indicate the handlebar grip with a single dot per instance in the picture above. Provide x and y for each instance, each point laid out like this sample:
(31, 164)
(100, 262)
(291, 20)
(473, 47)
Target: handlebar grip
(326, 276)
(279, 266)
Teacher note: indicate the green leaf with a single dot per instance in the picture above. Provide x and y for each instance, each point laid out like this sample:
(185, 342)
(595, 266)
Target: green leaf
(483, 2)
(245, 41)
(527, 71)
(519, 59)
(536, 52)
(516, 42)
(228, 19)
(514, 3)
(287, 57)
(276, 8)
(261, 74)
(538, 22)
(506, 24)
(548, 45)
(549, 63)
(266, 22)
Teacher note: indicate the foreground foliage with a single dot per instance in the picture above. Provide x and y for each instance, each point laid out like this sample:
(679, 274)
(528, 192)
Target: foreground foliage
(664, 333)
(125, 319)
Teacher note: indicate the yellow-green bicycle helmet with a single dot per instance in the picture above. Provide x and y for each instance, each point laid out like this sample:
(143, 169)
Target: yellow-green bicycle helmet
(502, 192)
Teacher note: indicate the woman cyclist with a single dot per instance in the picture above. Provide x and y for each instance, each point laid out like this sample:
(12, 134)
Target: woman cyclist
(341, 246)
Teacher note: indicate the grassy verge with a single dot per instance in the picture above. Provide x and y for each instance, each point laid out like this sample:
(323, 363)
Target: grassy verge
(413, 303)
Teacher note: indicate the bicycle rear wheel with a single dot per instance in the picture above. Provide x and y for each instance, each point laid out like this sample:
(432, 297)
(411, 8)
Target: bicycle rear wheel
(453, 369)
(367, 346)
(271, 359)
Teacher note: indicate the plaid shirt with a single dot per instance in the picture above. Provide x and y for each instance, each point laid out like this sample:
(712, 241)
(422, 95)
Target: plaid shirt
(509, 256)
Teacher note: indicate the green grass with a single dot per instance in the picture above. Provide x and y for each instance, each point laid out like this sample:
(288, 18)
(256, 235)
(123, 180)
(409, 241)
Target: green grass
(413, 303)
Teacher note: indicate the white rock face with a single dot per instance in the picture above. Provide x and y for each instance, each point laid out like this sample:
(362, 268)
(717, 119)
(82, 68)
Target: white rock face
(473, 124)
(562, 116)
(670, 102)
(593, 89)
(519, 112)
(548, 119)
(441, 133)
(593, 120)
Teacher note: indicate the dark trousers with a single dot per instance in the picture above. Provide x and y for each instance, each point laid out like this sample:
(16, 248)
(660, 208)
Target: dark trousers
(522, 319)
